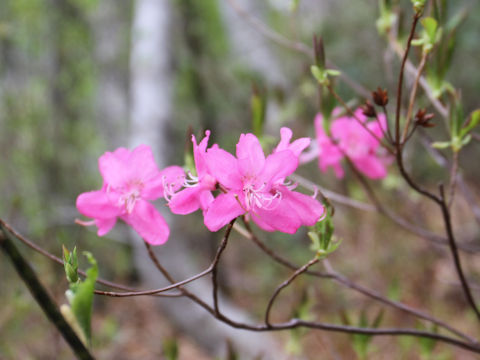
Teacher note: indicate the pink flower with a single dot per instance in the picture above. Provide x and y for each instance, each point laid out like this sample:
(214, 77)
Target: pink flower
(296, 147)
(130, 180)
(198, 189)
(254, 186)
(350, 138)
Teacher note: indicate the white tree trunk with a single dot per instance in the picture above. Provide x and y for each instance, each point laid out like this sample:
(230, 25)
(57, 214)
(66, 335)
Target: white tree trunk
(151, 108)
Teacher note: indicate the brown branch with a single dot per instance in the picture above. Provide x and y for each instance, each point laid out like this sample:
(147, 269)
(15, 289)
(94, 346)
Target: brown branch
(413, 95)
(454, 251)
(220, 250)
(41, 295)
(352, 113)
(283, 285)
(416, 17)
(331, 274)
(441, 109)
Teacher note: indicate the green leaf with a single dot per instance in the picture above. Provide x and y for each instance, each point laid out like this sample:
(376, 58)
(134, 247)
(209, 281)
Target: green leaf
(70, 263)
(81, 297)
(170, 349)
(441, 144)
(430, 25)
(474, 120)
(258, 105)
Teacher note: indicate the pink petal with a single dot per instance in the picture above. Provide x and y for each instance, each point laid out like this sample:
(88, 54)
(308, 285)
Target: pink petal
(148, 223)
(113, 167)
(307, 208)
(371, 166)
(98, 205)
(186, 201)
(105, 225)
(170, 176)
(278, 166)
(199, 153)
(296, 147)
(251, 158)
(141, 164)
(224, 167)
(280, 218)
(221, 211)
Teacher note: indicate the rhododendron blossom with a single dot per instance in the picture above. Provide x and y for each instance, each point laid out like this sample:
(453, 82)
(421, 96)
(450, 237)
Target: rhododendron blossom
(350, 138)
(254, 185)
(198, 189)
(130, 180)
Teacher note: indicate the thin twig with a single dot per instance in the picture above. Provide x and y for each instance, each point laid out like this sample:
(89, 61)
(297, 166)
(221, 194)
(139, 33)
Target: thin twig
(59, 261)
(413, 95)
(40, 293)
(284, 285)
(412, 70)
(220, 250)
(453, 178)
(331, 274)
(352, 113)
(416, 17)
(454, 251)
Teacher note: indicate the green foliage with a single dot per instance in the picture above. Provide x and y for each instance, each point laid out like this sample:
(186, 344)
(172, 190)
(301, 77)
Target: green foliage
(301, 311)
(427, 345)
(460, 127)
(321, 235)
(362, 342)
(258, 103)
(386, 17)
(170, 348)
(322, 75)
(431, 35)
(80, 295)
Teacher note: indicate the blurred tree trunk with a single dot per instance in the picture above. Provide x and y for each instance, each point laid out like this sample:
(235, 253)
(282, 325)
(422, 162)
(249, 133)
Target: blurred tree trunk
(151, 108)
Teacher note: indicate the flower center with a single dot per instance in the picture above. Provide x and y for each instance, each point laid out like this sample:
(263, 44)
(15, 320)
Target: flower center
(257, 197)
(131, 193)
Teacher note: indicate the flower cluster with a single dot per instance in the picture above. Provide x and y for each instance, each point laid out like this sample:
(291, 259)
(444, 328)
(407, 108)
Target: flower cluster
(350, 138)
(223, 187)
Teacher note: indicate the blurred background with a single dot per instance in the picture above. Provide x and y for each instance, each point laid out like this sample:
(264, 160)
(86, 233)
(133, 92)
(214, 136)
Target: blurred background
(81, 77)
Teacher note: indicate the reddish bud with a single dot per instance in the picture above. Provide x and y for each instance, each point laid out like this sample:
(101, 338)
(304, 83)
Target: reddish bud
(369, 110)
(380, 97)
(423, 119)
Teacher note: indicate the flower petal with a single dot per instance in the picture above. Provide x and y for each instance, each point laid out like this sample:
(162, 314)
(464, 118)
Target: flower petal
(113, 167)
(221, 211)
(280, 218)
(105, 225)
(251, 158)
(186, 201)
(141, 164)
(307, 208)
(224, 167)
(172, 176)
(296, 147)
(98, 205)
(148, 223)
(278, 166)
(199, 153)
(371, 166)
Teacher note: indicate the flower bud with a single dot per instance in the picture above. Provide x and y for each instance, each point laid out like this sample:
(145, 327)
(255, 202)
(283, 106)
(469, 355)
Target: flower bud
(423, 119)
(380, 97)
(369, 110)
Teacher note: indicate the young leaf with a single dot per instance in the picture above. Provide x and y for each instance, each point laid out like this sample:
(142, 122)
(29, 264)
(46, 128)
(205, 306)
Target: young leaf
(81, 297)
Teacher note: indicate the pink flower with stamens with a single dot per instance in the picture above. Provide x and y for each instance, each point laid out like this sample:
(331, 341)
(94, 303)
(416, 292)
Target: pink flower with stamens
(130, 180)
(197, 193)
(350, 138)
(254, 185)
